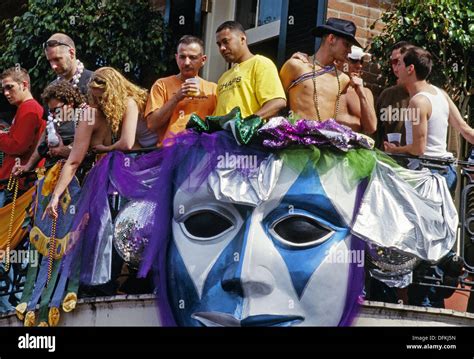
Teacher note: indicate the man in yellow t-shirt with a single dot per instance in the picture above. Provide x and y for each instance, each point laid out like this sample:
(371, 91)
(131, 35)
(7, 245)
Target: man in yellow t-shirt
(252, 83)
(173, 99)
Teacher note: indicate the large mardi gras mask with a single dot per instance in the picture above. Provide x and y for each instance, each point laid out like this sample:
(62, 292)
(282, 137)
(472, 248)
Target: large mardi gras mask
(261, 239)
(264, 245)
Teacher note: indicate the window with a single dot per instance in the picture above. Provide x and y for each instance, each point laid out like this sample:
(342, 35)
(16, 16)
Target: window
(260, 18)
(253, 13)
(268, 11)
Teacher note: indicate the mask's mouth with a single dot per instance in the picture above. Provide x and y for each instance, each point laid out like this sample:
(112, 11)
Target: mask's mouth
(218, 319)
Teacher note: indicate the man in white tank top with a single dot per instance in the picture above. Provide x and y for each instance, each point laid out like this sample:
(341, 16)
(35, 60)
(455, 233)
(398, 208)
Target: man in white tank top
(428, 114)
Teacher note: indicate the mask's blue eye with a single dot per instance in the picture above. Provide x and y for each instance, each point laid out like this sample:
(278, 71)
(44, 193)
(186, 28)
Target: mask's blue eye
(300, 231)
(206, 224)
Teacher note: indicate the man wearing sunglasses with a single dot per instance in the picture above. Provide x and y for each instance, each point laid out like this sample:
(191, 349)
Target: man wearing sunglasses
(431, 110)
(27, 126)
(392, 102)
(60, 51)
(357, 104)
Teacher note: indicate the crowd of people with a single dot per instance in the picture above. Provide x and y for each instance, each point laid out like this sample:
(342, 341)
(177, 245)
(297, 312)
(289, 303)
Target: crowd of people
(88, 113)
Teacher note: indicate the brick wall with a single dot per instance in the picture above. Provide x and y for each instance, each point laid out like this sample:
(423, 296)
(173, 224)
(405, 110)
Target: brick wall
(158, 5)
(363, 13)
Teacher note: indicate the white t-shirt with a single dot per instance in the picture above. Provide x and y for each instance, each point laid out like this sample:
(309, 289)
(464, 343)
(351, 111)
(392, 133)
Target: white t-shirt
(437, 132)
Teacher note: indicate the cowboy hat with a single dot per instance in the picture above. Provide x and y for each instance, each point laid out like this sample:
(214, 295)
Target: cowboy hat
(339, 27)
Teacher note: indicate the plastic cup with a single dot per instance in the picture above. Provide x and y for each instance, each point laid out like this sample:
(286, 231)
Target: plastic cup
(196, 82)
(394, 138)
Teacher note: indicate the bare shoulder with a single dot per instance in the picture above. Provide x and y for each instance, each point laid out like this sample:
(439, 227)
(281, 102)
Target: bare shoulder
(131, 103)
(343, 77)
(344, 80)
(419, 101)
(293, 65)
(368, 92)
(422, 104)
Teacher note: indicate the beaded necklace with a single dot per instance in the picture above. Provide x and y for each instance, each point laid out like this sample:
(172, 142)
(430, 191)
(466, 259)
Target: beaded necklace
(315, 92)
(77, 75)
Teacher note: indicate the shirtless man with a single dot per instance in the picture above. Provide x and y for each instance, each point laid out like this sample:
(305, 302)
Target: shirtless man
(314, 88)
(357, 104)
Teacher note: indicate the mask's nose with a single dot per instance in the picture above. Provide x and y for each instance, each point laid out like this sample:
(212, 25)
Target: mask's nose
(258, 283)
(248, 274)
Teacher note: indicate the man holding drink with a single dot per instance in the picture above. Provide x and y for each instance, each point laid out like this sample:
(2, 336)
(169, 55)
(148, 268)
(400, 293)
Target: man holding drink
(430, 112)
(173, 99)
(394, 138)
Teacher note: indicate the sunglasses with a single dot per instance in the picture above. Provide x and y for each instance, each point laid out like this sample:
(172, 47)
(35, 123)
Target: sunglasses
(98, 81)
(56, 109)
(8, 87)
(54, 43)
(394, 62)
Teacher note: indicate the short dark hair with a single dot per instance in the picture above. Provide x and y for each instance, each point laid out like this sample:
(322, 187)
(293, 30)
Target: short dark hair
(400, 44)
(64, 91)
(420, 59)
(232, 26)
(189, 39)
(18, 74)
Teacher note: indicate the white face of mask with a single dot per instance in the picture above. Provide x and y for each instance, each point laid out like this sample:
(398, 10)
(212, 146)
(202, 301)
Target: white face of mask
(282, 262)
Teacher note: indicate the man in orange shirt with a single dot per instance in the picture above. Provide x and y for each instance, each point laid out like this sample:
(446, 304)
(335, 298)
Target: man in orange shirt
(173, 99)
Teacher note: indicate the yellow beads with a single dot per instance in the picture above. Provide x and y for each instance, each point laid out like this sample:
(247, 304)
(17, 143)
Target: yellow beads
(11, 186)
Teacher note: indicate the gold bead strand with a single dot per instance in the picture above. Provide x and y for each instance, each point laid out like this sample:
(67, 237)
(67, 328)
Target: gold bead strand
(13, 184)
(336, 110)
(315, 91)
(52, 239)
(52, 248)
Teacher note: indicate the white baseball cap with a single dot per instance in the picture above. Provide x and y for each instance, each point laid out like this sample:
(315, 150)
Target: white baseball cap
(357, 53)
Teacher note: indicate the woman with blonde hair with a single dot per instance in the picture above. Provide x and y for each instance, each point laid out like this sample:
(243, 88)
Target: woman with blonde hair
(123, 105)
(117, 124)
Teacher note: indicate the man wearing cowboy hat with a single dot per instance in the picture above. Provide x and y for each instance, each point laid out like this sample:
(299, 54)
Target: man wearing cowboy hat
(314, 87)
(357, 104)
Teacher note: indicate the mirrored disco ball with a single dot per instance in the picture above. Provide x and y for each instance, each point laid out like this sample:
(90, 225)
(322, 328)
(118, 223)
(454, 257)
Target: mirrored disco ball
(132, 230)
(392, 260)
